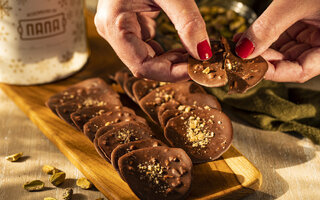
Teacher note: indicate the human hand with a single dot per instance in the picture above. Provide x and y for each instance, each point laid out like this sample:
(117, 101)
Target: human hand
(129, 26)
(287, 35)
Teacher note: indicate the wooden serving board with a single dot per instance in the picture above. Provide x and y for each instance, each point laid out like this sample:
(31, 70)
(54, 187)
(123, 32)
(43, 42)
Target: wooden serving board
(232, 176)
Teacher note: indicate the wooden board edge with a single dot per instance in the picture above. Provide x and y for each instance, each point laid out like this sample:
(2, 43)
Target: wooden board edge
(37, 121)
(251, 181)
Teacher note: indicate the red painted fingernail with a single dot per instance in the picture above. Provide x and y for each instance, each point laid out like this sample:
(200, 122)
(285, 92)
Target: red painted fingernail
(244, 48)
(204, 50)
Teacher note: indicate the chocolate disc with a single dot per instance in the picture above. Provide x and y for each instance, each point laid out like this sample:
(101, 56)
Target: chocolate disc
(143, 87)
(121, 76)
(64, 111)
(170, 105)
(210, 73)
(123, 134)
(83, 115)
(91, 127)
(152, 101)
(200, 100)
(101, 131)
(87, 93)
(122, 149)
(168, 114)
(127, 87)
(243, 74)
(160, 173)
(204, 135)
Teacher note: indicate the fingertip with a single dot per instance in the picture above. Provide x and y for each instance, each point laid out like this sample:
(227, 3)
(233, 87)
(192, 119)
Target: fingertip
(244, 48)
(204, 50)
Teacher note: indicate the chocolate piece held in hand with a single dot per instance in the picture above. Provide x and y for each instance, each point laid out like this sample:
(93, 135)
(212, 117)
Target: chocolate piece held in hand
(122, 149)
(209, 73)
(123, 134)
(205, 134)
(243, 74)
(225, 66)
(161, 173)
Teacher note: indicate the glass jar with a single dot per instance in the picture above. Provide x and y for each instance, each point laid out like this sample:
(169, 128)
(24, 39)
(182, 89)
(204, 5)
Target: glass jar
(41, 40)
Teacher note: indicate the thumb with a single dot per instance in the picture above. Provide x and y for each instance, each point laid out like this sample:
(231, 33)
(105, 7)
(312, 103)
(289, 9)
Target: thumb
(277, 18)
(190, 26)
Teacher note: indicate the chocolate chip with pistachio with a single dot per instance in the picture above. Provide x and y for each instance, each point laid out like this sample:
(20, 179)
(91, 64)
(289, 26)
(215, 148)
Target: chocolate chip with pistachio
(122, 149)
(123, 134)
(151, 174)
(204, 135)
(86, 93)
(91, 127)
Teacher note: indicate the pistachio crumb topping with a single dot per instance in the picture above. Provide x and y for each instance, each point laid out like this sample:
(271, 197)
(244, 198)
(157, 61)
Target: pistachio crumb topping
(155, 173)
(206, 70)
(124, 135)
(163, 96)
(197, 132)
(228, 64)
(163, 83)
(90, 102)
(184, 108)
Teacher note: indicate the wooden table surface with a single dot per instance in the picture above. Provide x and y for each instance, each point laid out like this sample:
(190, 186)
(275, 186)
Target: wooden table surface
(290, 166)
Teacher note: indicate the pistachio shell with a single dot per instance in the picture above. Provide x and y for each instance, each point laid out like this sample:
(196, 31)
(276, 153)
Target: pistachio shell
(48, 169)
(84, 183)
(67, 195)
(57, 178)
(14, 157)
(35, 185)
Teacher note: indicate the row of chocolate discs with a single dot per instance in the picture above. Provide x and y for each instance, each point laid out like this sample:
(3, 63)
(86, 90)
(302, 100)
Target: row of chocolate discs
(150, 167)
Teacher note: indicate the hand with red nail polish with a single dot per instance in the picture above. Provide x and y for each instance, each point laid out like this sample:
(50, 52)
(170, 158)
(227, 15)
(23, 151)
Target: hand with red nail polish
(287, 34)
(129, 27)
